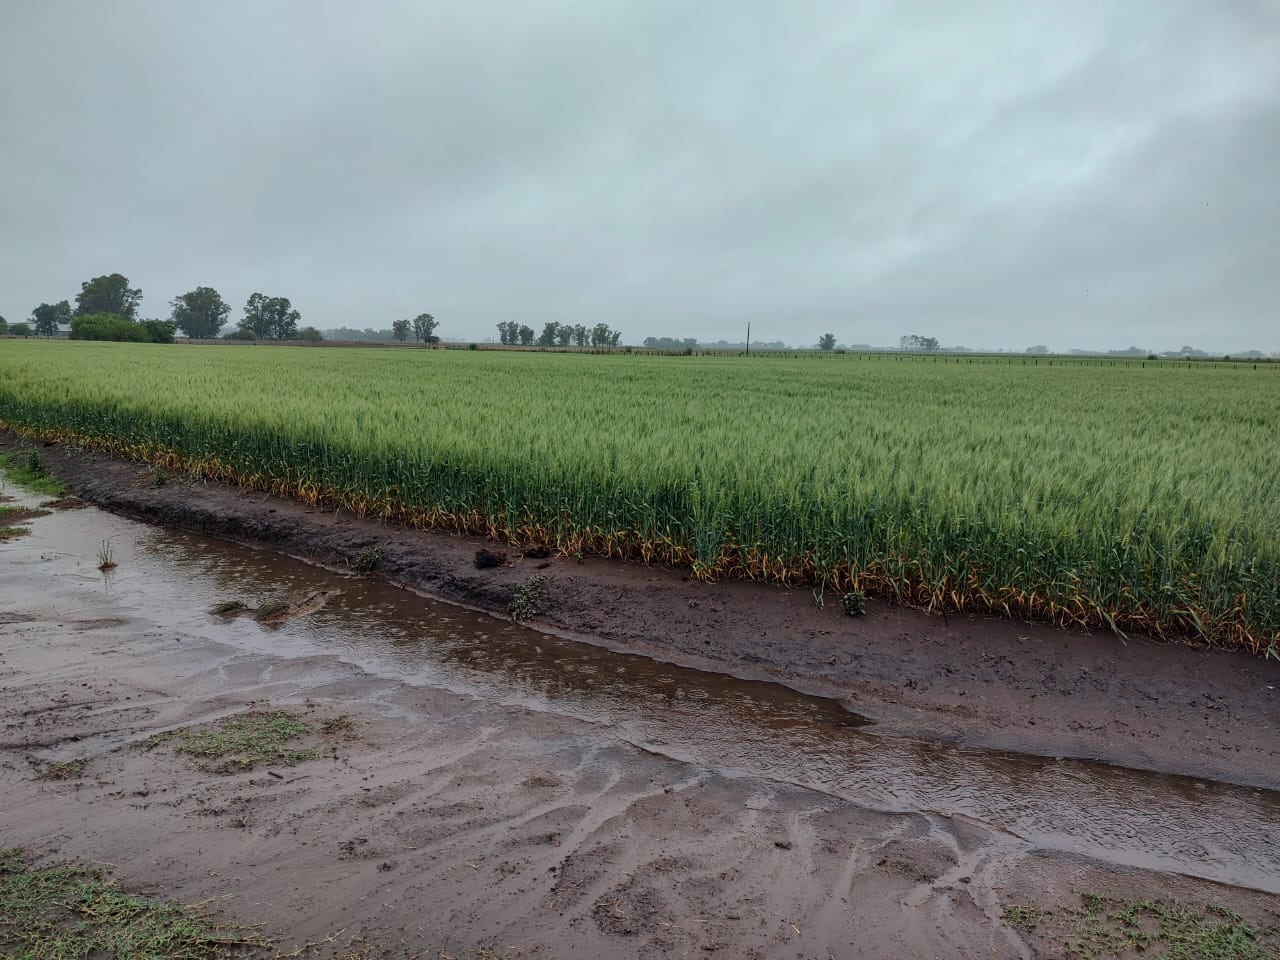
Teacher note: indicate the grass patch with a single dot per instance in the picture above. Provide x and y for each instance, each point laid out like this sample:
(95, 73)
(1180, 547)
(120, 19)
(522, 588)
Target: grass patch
(367, 560)
(64, 911)
(64, 770)
(526, 602)
(342, 724)
(271, 610)
(242, 741)
(10, 533)
(227, 608)
(27, 469)
(1104, 927)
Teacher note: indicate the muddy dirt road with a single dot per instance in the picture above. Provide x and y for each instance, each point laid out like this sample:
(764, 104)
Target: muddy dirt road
(506, 790)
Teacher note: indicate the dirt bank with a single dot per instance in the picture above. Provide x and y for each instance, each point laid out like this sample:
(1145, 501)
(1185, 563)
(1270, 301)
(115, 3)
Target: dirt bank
(976, 681)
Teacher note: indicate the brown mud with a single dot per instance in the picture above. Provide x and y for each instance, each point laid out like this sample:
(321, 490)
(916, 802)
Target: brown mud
(531, 795)
(975, 681)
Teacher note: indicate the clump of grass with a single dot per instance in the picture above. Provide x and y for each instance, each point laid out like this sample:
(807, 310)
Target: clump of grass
(367, 560)
(227, 608)
(271, 610)
(1023, 916)
(526, 602)
(106, 561)
(854, 603)
(242, 741)
(10, 533)
(51, 913)
(1112, 928)
(31, 472)
(342, 724)
(63, 770)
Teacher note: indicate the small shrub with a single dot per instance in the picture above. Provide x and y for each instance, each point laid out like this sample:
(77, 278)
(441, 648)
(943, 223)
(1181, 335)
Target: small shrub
(105, 559)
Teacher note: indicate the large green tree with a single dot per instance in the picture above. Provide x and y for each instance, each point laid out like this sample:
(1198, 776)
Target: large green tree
(424, 325)
(200, 313)
(270, 318)
(547, 338)
(46, 317)
(400, 330)
(109, 294)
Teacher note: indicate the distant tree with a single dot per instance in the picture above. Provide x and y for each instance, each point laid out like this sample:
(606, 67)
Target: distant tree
(424, 325)
(20, 330)
(564, 335)
(526, 335)
(368, 335)
(602, 336)
(671, 343)
(509, 332)
(581, 335)
(270, 318)
(310, 334)
(550, 331)
(827, 341)
(46, 317)
(400, 330)
(108, 294)
(200, 313)
(615, 338)
(4, 326)
(914, 342)
(1039, 350)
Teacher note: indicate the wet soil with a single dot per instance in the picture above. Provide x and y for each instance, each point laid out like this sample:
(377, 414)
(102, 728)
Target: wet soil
(975, 681)
(497, 787)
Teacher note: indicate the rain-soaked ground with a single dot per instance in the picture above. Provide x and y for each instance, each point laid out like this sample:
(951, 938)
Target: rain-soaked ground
(905, 846)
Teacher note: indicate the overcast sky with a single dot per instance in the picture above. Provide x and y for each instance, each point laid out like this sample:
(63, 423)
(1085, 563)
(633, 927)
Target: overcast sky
(1085, 174)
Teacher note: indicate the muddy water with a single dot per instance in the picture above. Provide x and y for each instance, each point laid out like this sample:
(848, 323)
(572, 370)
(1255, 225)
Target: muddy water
(166, 582)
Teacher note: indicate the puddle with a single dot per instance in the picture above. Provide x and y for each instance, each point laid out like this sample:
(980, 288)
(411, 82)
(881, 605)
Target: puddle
(167, 581)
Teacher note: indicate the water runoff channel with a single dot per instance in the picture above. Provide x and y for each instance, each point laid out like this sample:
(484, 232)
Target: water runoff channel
(737, 728)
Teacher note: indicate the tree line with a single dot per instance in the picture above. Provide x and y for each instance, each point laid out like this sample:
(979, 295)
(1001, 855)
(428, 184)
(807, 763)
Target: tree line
(106, 308)
(558, 335)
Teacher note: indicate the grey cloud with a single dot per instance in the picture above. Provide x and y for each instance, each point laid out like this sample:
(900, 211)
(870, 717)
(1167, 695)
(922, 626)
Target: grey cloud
(1086, 175)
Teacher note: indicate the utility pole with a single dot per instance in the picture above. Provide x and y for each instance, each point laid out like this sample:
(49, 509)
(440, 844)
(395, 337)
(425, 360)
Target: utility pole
(748, 338)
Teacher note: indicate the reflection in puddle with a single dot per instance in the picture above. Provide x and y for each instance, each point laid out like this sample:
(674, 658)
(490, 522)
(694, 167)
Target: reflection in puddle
(170, 580)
